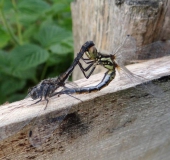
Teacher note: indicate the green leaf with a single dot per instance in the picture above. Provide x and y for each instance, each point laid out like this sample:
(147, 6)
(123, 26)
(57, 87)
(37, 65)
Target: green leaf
(59, 64)
(4, 62)
(29, 32)
(55, 59)
(30, 10)
(3, 99)
(61, 48)
(47, 22)
(51, 34)
(63, 1)
(7, 68)
(4, 58)
(59, 7)
(68, 41)
(27, 56)
(4, 38)
(32, 6)
(16, 97)
(11, 85)
(6, 6)
(23, 74)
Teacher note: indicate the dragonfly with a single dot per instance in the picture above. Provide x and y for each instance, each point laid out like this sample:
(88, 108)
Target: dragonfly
(117, 60)
(46, 87)
(43, 90)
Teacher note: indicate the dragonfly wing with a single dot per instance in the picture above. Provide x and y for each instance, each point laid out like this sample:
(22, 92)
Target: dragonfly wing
(145, 83)
(8, 127)
(44, 125)
(126, 52)
(70, 84)
(154, 50)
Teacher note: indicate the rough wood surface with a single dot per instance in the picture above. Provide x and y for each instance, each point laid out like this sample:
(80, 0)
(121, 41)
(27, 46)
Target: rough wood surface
(107, 22)
(118, 122)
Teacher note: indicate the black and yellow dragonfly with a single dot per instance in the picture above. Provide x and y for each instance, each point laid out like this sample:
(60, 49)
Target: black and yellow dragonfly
(126, 52)
(48, 86)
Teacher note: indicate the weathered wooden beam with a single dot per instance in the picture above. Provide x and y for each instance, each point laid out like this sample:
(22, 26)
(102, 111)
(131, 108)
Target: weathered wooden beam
(118, 122)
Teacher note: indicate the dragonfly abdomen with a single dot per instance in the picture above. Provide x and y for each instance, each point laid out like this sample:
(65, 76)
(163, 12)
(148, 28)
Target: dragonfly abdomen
(108, 77)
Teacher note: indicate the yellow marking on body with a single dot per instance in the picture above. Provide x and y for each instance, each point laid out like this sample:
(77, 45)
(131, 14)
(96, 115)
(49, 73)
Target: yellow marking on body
(107, 59)
(112, 76)
(110, 67)
(91, 55)
(87, 54)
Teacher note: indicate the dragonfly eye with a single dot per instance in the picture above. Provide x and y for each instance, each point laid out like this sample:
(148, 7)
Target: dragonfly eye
(30, 89)
(34, 94)
(92, 49)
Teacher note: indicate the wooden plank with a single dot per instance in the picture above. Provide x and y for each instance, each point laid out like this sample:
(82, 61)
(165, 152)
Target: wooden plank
(118, 122)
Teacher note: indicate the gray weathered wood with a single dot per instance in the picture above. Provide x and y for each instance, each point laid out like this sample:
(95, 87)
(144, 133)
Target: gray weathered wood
(107, 23)
(118, 122)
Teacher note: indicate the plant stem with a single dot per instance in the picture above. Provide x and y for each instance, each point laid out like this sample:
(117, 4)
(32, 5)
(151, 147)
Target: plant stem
(44, 71)
(7, 26)
(35, 80)
(19, 27)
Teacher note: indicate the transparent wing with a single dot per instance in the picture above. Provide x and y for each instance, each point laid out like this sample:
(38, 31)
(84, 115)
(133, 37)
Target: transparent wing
(44, 126)
(127, 52)
(70, 84)
(154, 50)
(145, 83)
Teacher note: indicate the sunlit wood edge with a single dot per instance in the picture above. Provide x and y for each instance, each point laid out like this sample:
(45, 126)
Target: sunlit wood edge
(25, 110)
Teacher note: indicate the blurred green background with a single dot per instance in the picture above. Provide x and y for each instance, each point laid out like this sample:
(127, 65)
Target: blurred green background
(35, 43)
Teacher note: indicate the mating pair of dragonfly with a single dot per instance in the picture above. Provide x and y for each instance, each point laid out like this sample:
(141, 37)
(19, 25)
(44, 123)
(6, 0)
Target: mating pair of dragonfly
(125, 52)
(116, 60)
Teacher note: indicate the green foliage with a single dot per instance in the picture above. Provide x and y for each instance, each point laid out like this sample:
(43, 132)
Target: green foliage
(35, 43)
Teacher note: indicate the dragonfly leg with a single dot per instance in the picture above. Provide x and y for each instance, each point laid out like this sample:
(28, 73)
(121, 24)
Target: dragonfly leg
(86, 69)
(38, 101)
(62, 78)
(45, 97)
(46, 103)
(87, 60)
(74, 97)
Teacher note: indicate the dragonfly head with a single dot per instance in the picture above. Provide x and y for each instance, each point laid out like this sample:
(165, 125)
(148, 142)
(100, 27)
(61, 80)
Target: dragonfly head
(91, 53)
(33, 92)
(44, 89)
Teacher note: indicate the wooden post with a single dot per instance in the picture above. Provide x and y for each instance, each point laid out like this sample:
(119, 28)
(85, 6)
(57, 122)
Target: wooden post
(119, 122)
(107, 22)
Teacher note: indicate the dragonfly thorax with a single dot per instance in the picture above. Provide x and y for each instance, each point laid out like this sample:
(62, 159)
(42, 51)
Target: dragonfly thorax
(42, 90)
